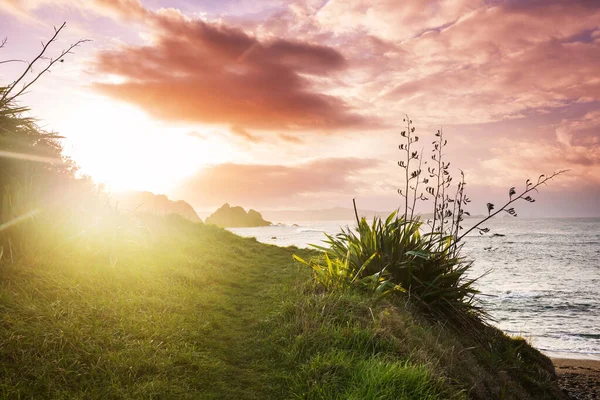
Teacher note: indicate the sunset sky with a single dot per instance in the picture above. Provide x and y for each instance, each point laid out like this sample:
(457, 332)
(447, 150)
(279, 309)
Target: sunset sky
(276, 104)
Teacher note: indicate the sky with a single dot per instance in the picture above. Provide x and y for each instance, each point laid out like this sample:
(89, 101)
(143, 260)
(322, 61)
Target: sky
(299, 104)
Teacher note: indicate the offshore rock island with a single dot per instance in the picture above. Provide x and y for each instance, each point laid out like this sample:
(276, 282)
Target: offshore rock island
(236, 217)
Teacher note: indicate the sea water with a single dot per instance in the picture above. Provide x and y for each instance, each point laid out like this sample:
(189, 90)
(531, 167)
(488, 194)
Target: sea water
(540, 278)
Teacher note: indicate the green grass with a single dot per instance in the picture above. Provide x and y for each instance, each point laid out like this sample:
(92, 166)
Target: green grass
(192, 311)
(189, 318)
(394, 255)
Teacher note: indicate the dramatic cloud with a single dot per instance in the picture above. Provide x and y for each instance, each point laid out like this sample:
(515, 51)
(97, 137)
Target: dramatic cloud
(212, 73)
(272, 185)
(448, 62)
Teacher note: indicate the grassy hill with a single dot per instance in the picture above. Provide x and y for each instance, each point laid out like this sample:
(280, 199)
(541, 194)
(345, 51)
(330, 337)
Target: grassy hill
(182, 310)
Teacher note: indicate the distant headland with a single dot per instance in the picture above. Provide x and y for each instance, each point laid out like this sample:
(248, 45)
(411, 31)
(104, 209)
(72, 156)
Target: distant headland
(236, 217)
(159, 204)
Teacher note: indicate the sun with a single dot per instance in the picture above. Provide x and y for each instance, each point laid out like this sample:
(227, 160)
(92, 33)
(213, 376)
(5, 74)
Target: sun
(123, 148)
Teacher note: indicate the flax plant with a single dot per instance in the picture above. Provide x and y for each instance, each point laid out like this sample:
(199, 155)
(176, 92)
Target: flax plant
(404, 255)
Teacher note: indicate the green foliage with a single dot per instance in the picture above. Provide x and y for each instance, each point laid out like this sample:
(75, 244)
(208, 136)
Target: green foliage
(331, 275)
(396, 255)
(21, 178)
(340, 273)
(393, 256)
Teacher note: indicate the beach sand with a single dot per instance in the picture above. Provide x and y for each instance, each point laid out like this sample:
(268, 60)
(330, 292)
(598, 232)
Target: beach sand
(580, 379)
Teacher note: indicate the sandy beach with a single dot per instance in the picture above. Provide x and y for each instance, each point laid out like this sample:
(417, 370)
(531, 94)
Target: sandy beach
(580, 379)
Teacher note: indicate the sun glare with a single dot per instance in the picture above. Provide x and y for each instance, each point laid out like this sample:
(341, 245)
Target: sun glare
(121, 147)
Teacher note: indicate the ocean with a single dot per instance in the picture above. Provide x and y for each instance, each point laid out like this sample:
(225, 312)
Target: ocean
(540, 278)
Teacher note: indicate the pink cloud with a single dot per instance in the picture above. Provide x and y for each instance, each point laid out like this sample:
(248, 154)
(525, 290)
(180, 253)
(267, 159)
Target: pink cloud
(271, 185)
(213, 73)
(575, 146)
(126, 9)
(448, 62)
(499, 61)
(391, 20)
(319, 67)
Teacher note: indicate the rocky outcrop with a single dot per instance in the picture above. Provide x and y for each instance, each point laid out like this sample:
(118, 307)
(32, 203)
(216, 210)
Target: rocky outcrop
(236, 217)
(156, 204)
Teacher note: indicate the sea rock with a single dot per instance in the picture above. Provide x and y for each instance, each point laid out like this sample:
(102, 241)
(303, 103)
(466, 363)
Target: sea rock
(236, 217)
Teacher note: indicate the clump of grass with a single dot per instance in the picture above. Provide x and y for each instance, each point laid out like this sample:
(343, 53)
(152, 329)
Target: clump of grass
(345, 341)
(394, 256)
(343, 375)
(400, 256)
(341, 348)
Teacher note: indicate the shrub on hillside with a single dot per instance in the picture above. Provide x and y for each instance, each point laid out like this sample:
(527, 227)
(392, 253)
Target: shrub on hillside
(403, 254)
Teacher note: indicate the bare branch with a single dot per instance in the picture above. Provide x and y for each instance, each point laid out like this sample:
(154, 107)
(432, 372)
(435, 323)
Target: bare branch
(528, 188)
(30, 65)
(5, 96)
(9, 61)
(2, 44)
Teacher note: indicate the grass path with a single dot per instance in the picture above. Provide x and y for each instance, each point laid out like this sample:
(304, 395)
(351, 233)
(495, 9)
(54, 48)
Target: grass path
(193, 318)
(242, 322)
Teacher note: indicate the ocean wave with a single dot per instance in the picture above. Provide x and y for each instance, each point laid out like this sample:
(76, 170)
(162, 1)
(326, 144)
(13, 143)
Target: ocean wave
(587, 335)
